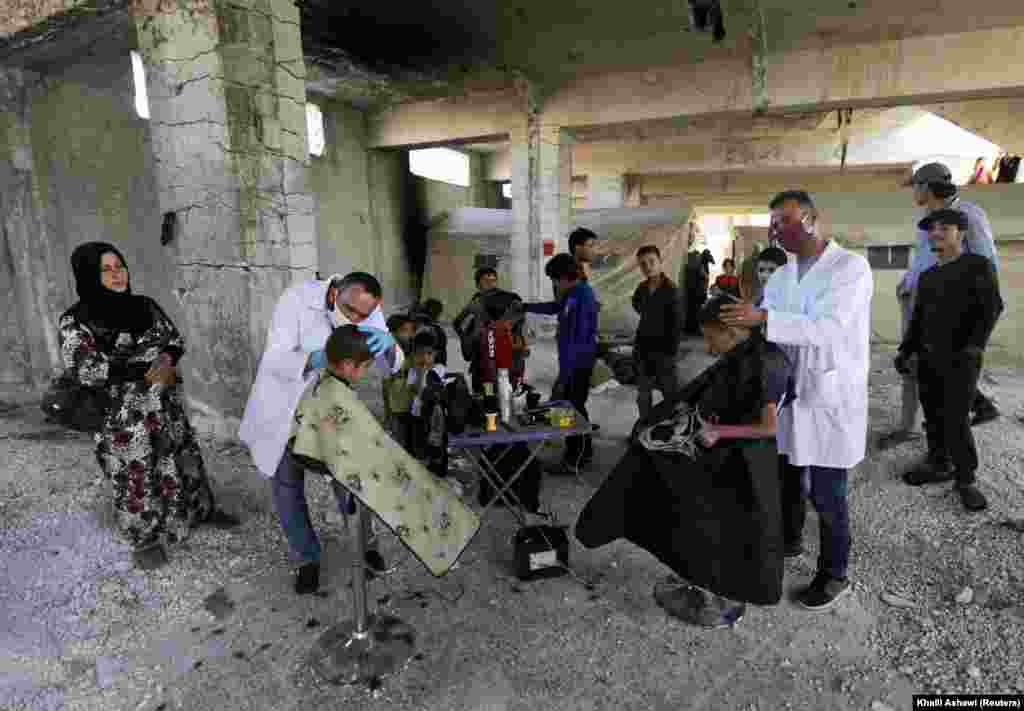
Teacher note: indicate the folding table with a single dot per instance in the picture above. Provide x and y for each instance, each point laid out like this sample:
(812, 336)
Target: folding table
(474, 442)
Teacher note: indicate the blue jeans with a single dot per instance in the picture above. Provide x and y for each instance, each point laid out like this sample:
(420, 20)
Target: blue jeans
(826, 488)
(289, 491)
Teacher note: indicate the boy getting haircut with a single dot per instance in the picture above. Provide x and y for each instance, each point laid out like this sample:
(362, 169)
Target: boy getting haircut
(348, 343)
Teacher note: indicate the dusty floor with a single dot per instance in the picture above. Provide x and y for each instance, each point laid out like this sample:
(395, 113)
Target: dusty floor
(219, 628)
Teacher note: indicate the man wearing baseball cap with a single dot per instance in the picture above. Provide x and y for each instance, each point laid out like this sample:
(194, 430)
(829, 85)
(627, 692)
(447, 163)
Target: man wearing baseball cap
(956, 308)
(934, 190)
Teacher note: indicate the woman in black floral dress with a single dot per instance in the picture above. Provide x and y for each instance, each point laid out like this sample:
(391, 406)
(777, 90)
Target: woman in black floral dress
(125, 343)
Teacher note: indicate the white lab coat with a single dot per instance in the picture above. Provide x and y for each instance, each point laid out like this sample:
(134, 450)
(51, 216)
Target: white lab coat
(823, 322)
(300, 317)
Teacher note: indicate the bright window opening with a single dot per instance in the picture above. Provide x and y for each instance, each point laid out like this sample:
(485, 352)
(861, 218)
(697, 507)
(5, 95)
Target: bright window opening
(441, 164)
(506, 191)
(139, 80)
(315, 130)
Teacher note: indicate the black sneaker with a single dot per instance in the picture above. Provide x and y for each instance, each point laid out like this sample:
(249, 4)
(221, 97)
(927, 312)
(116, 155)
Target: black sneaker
(971, 497)
(793, 549)
(697, 606)
(933, 471)
(150, 557)
(982, 416)
(307, 581)
(894, 439)
(823, 593)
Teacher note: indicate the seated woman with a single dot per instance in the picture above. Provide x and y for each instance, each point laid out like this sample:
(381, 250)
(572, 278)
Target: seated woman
(699, 488)
(125, 344)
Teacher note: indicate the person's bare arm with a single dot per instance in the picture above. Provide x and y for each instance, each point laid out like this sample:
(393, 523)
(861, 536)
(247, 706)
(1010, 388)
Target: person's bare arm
(764, 428)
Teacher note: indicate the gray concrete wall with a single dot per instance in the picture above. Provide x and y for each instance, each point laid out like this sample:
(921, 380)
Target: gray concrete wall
(95, 163)
(360, 194)
(437, 199)
(92, 179)
(389, 179)
(887, 218)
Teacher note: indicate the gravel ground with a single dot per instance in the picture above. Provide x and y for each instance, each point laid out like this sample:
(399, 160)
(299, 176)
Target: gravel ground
(938, 603)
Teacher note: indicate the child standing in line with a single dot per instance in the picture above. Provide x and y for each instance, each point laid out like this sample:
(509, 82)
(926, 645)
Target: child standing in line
(398, 392)
(430, 434)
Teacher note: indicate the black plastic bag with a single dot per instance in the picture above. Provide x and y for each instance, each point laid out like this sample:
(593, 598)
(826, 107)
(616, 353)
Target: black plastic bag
(75, 406)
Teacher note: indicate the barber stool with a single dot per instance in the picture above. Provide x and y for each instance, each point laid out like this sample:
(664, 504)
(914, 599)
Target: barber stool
(365, 648)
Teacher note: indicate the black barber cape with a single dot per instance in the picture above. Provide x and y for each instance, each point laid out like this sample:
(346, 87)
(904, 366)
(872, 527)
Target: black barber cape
(715, 520)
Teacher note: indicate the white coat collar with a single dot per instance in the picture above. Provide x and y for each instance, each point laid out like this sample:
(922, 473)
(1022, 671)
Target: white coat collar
(316, 292)
(830, 255)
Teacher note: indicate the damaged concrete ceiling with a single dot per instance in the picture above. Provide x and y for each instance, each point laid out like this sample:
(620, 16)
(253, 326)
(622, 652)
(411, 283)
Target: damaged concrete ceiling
(367, 51)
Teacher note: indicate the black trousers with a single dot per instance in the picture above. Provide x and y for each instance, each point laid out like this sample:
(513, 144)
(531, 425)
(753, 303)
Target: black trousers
(947, 384)
(577, 390)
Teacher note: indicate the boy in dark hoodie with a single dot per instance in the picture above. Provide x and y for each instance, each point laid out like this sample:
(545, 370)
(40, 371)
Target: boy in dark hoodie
(576, 309)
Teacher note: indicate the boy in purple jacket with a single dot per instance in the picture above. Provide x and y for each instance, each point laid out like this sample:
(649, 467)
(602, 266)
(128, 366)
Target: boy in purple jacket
(576, 309)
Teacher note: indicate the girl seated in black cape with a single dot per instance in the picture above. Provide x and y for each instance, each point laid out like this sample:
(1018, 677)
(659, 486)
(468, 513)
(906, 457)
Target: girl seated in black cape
(699, 486)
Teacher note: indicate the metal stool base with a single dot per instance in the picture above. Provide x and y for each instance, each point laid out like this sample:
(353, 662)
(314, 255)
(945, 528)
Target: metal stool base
(343, 656)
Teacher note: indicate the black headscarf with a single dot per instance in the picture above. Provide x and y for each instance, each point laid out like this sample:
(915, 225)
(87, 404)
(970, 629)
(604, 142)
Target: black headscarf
(101, 306)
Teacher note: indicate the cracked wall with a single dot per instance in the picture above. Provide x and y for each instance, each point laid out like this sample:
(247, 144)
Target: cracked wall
(78, 168)
(225, 151)
(360, 196)
(227, 98)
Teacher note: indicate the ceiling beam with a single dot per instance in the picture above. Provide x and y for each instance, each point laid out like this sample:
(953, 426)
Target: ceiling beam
(896, 72)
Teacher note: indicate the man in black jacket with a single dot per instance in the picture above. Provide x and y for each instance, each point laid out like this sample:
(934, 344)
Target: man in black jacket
(956, 309)
(657, 336)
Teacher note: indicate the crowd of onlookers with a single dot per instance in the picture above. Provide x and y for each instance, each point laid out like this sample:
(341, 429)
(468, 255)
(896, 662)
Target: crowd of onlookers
(786, 401)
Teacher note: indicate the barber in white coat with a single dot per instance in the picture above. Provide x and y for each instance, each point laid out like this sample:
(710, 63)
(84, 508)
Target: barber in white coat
(818, 310)
(304, 318)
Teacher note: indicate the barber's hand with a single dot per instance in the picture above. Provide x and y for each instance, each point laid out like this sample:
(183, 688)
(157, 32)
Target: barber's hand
(311, 343)
(379, 341)
(743, 314)
(161, 374)
(317, 360)
(709, 436)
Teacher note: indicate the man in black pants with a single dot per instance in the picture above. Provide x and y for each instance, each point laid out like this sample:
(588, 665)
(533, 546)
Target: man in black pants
(656, 300)
(956, 309)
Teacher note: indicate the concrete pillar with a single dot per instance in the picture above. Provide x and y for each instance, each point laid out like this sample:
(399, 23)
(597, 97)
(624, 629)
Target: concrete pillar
(35, 279)
(632, 191)
(605, 191)
(228, 104)
(478, 184)
(541, 157)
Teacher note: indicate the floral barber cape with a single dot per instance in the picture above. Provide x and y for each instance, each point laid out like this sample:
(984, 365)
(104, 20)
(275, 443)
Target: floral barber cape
(333, 427)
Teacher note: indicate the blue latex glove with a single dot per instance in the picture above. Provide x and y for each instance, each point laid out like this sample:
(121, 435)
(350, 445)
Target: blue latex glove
(311, 343)
(317, 360)
(379, 341)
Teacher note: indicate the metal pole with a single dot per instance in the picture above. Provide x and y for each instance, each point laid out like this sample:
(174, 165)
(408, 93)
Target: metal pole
(359, 568)
(366, 647)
